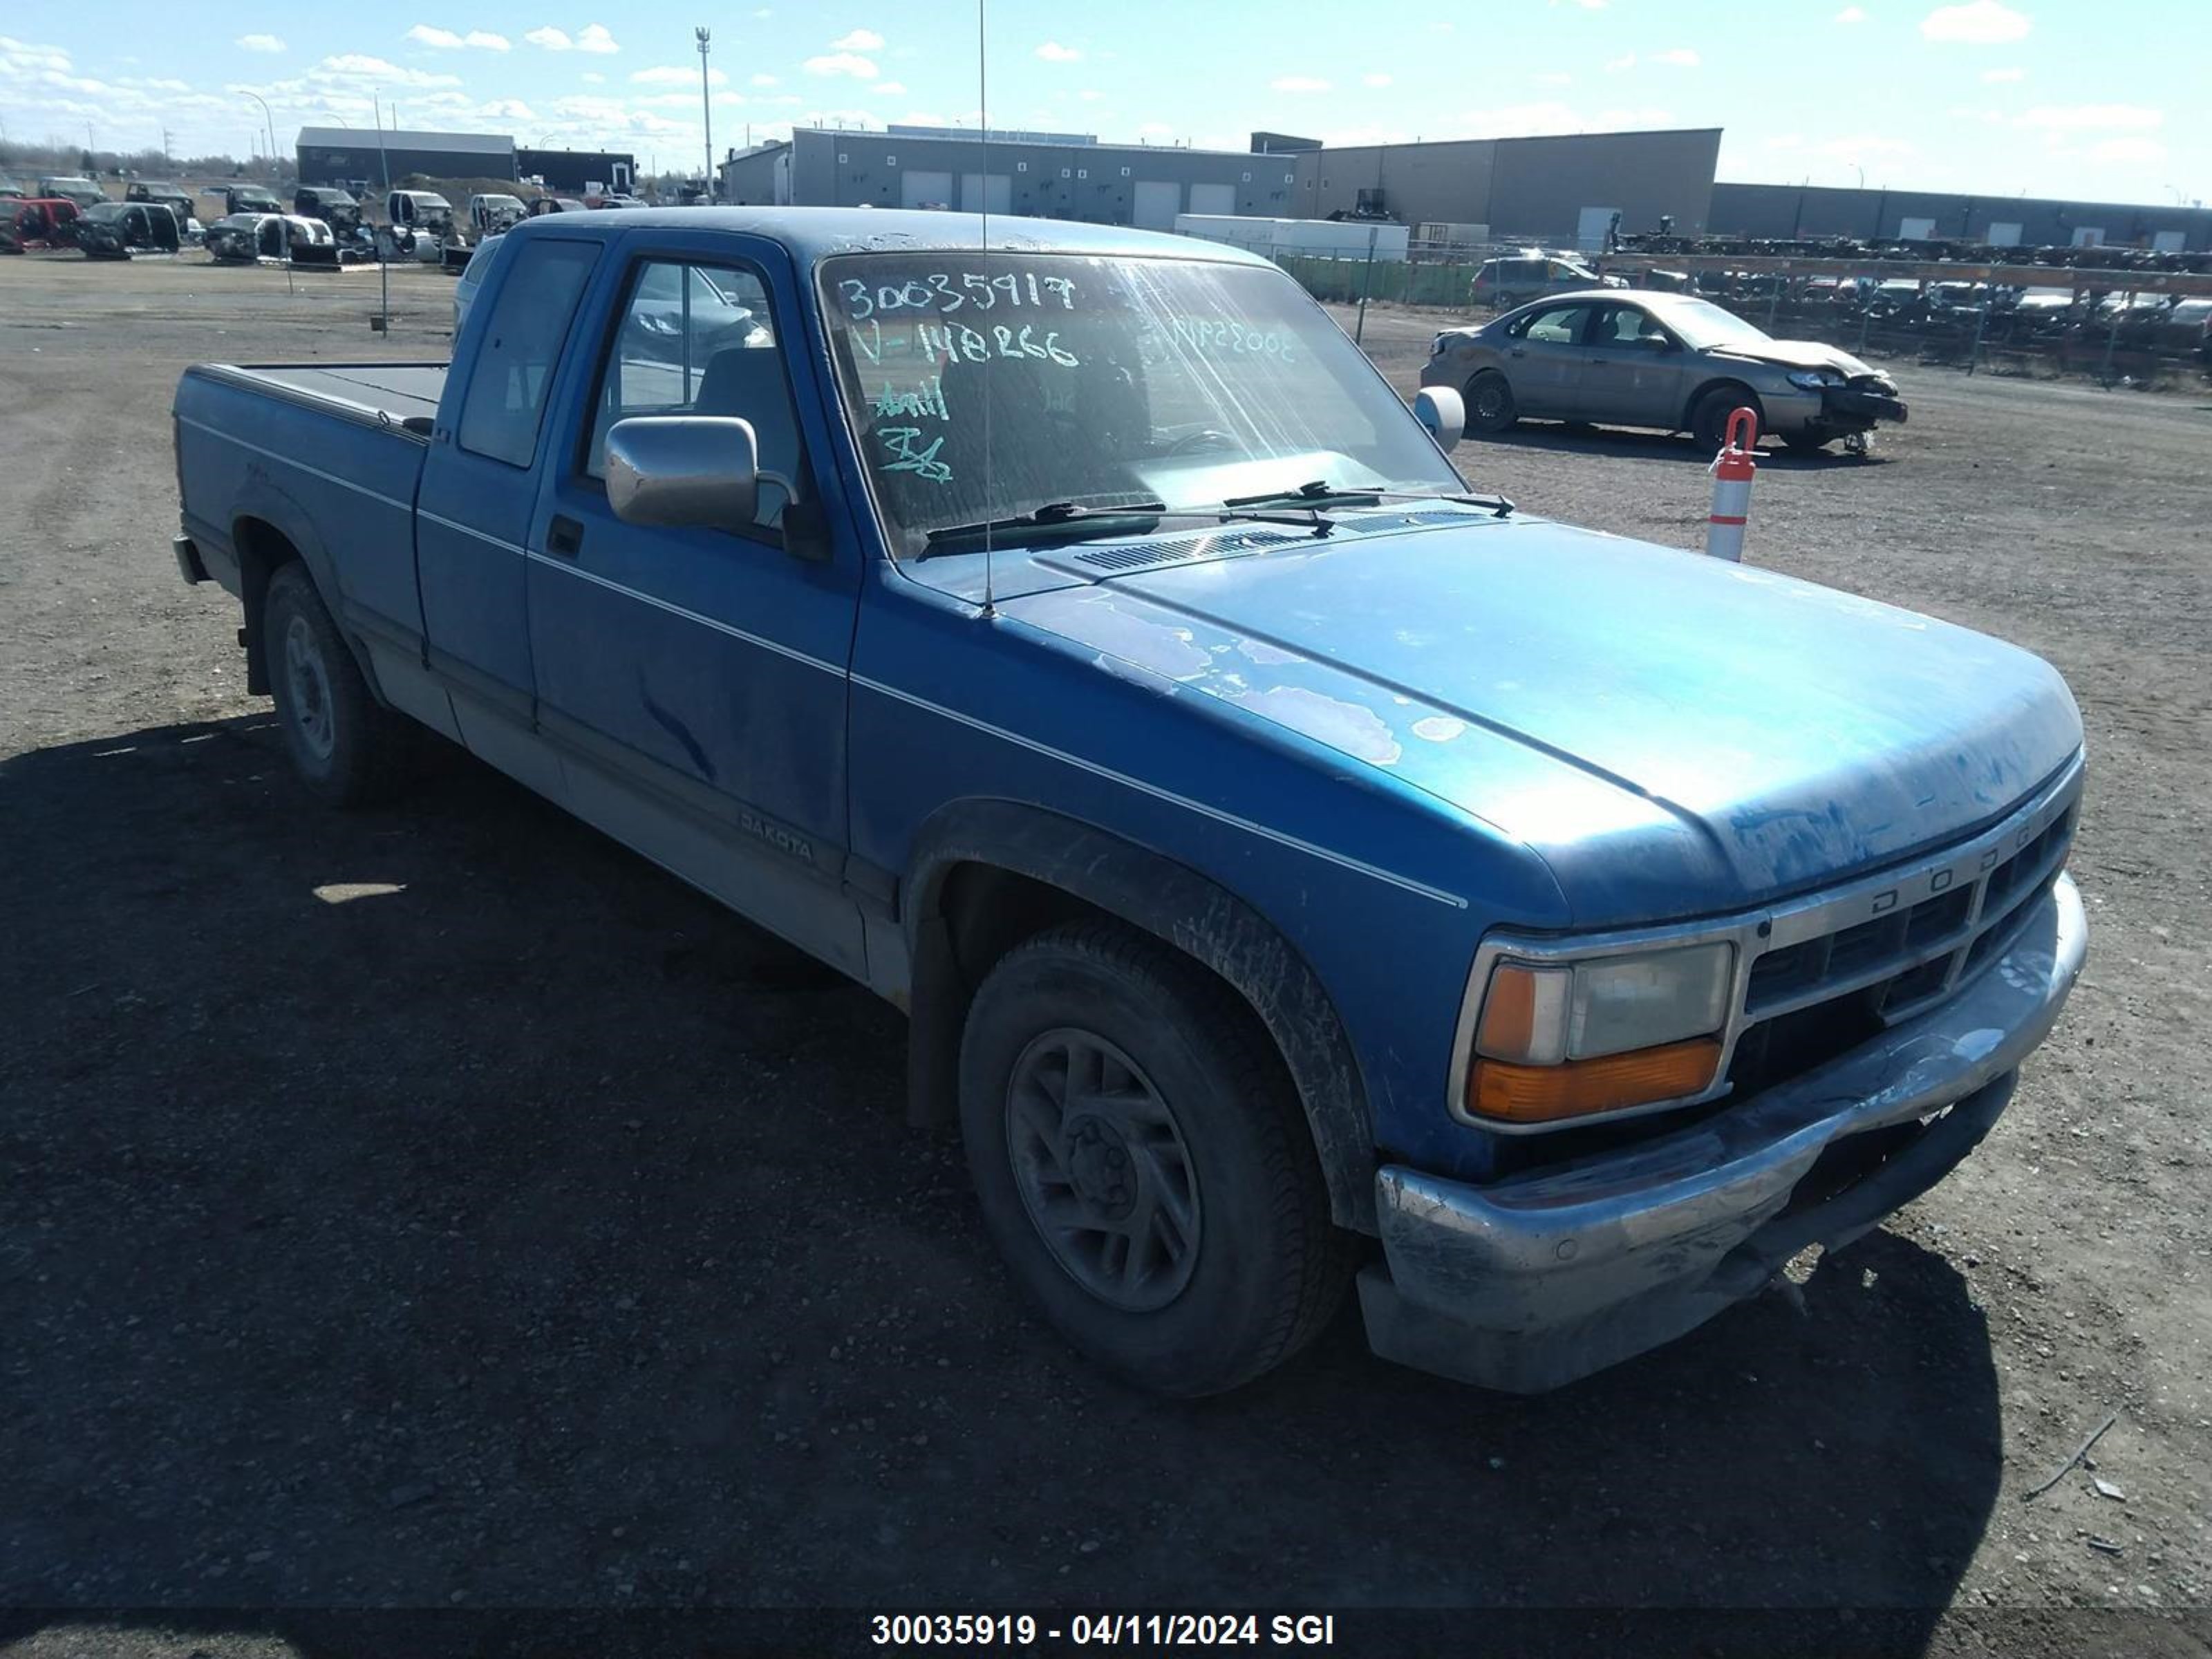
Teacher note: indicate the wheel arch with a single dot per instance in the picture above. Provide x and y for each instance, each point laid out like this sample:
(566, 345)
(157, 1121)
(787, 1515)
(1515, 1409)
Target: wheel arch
(268, 534)
(987, 874)
(1714, 383)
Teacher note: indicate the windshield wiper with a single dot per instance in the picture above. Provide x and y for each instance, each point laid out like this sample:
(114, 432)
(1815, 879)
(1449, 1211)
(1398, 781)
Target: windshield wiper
(1320, 494)
(1071, 520)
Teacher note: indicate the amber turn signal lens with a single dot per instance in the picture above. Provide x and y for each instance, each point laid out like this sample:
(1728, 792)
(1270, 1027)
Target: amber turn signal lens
(1545, 1094)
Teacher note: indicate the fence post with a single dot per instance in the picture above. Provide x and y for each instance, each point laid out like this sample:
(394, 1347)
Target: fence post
(1981, 327)
(2112, 340)
(1773, 301)
(1866, 317)
(1366, 280)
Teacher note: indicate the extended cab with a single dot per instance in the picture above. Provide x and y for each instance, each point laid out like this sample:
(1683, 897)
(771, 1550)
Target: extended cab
(1292, 863)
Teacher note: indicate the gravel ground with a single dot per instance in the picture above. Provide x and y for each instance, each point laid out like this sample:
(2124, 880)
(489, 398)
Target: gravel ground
(441, 1208)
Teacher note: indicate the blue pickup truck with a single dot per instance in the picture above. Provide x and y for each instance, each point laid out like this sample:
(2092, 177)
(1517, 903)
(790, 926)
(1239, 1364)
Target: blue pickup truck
(1297, 867)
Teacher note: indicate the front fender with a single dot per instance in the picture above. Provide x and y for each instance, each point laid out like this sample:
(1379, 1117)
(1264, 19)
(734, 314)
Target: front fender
(1173, 902)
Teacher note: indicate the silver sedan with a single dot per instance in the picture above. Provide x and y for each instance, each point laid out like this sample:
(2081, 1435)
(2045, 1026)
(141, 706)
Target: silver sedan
(1670, 360)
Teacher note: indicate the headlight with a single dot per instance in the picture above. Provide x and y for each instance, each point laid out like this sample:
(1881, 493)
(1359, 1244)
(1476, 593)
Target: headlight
(1563, 1040)
(1436, 345)
(1811, 380)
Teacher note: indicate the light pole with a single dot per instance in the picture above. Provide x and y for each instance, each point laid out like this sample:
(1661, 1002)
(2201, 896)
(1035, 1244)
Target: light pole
(270, 121)
(706, 109)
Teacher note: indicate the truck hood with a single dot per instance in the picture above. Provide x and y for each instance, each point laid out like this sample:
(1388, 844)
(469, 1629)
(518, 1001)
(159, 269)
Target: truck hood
(1673, 735)
(1796, 354)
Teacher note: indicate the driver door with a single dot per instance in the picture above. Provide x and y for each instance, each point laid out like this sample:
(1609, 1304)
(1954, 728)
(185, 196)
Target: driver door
(1544, 360)
(696, 677)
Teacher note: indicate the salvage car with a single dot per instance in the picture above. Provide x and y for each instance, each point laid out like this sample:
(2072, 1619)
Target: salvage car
(1670, 360)
(1531, 273)
(472, 274)
(249, 198)
(39, 222)
(491, 214)
(116, 230)
(69, 187)
(1293, 863)
(175, 198)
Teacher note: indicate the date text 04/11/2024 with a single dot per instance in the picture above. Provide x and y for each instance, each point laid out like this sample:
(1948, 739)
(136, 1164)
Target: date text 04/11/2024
(1148, 1629)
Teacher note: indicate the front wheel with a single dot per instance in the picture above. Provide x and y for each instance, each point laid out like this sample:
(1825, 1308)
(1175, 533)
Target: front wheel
(1709, 420)
(1142, 1162)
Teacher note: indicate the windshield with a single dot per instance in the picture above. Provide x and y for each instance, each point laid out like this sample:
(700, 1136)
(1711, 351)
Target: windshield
(1101, 381)
(106, 213)
(1701, 324)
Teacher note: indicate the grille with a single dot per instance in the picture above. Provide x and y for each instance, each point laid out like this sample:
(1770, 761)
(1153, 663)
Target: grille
(1813, 998)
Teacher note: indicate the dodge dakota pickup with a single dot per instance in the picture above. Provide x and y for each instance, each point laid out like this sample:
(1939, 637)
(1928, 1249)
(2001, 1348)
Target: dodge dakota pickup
(1297, 866)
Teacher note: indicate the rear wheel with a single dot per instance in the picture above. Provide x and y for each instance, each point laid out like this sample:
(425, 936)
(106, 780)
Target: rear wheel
(1142, 1162)
(345, 746)
(1490, 403)
(1709, 419)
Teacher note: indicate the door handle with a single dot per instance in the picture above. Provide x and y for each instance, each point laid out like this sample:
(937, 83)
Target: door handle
(1516, 352)
(564, 536)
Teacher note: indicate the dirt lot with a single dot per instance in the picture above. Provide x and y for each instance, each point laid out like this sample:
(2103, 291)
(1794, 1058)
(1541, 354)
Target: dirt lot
(441, 1208)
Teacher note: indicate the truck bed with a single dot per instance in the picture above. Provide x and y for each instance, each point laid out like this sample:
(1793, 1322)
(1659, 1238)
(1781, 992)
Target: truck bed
(403, 394)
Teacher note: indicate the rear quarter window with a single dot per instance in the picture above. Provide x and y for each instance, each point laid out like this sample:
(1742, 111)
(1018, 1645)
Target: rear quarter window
(520, 342)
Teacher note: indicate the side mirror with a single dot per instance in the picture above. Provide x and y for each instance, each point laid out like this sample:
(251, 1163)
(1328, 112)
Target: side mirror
(1443, 412)
(684, 470)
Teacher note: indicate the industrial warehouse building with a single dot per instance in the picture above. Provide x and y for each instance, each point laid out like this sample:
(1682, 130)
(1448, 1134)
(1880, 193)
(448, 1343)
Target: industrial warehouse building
(1562, 189)
(1794, 212)
(1041, 175)
(1566, 190)
(340, 155)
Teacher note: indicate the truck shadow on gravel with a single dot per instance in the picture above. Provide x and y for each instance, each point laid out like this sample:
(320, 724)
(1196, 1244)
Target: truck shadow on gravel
(439, 1208)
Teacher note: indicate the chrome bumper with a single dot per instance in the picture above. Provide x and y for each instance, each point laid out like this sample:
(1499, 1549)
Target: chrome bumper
(1543, 1279)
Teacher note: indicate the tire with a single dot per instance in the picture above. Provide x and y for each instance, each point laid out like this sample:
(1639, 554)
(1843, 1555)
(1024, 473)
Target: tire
(1490, 403)
(1193, 1133)
(1709, 415)
(346, 747)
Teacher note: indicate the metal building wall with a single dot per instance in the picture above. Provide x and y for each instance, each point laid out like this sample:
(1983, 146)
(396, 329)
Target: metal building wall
(1095, 182)
(1785, 212)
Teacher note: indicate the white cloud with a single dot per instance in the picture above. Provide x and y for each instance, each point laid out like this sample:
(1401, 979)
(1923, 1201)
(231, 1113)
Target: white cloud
(359, 66)
(1089, 97)
(1519, 120)
(889, 89)
(677, 74)
(1587, 5)
(1053, 52)
(592, 37)
(1978, 23)
(1614, 65)
(1297, 83)
(1554, 80)
(1998, 77)
(446, 40)
(859, 41)
(1851, 14)
(509, 109)
(843, 63)
(594, 78)
(2093, 118)
(1377, 79)
(2129, 149)
(259, 43)
(1681, 57)
(766, 81)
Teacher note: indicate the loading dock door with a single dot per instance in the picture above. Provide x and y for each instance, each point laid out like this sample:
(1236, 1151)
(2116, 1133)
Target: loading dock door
(1591, 227)
(981, 192)
(1214, 198)
(918, 188)
(2168, 241)
(2004, 233)
(1156, 204)
(1916, 230)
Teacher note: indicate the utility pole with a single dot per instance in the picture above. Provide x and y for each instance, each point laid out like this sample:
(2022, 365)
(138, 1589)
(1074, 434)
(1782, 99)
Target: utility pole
(276, 172)
(707, 108)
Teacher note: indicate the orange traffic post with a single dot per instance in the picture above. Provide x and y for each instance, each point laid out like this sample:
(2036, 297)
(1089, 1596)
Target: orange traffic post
(1733, 470)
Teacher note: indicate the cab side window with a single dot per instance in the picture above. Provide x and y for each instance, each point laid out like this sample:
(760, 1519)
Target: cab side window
(521, 346)
(700, 339)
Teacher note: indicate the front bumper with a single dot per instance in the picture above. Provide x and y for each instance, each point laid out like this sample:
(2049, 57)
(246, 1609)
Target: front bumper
(1855, 409)
(1543, 1279)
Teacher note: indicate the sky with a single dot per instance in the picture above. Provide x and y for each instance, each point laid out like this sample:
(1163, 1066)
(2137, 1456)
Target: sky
(2059, 98)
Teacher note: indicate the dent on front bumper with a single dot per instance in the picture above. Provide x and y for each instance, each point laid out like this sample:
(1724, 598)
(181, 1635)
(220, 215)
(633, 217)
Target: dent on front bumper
(1538, 1280)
